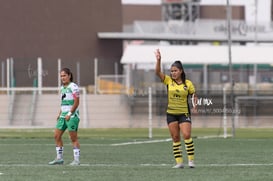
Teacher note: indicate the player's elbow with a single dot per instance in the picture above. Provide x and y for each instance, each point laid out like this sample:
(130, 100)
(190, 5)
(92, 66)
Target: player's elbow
(157, 72)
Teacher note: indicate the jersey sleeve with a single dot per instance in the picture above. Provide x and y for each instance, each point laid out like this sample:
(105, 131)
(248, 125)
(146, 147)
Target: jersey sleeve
(75, 90)
(190, 87)
(167, 80)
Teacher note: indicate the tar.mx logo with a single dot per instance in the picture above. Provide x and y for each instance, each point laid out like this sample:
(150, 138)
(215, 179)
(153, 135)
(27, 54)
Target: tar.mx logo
(202, 101)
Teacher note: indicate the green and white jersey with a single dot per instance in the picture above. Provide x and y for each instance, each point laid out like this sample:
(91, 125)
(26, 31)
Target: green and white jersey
(68, 94)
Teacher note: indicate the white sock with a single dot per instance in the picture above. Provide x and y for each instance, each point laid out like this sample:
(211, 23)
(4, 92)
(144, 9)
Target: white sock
(59, 151)
(76, 152)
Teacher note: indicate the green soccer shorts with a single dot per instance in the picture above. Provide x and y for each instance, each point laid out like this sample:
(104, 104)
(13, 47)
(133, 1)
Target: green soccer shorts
(72, 124)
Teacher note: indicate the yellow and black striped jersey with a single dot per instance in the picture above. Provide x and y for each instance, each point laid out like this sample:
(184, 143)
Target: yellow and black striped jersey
(178, 95)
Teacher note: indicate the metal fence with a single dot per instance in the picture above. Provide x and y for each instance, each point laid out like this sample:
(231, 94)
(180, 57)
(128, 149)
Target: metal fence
(26, 107)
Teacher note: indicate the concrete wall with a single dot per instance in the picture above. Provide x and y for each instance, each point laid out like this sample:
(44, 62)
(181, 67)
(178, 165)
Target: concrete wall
(115, 111)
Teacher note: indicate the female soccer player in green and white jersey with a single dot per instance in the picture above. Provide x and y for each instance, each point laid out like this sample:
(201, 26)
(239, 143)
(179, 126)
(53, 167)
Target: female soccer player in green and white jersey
(178, 112)
(68, 118)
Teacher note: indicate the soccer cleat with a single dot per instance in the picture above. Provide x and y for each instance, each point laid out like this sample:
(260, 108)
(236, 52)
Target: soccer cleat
(56, 162)
(191, 164)
(75, 163)
(179, 165)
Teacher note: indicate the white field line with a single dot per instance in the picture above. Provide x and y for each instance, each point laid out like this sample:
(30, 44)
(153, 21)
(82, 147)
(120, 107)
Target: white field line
(212, 136)
(141, 142)
(139, 165)
(53, 145)
(163, 140)
(219, 165)
(120, 144)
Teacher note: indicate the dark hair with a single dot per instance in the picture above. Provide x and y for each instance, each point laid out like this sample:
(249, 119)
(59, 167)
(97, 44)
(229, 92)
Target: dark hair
(68, 72)
(179, 65)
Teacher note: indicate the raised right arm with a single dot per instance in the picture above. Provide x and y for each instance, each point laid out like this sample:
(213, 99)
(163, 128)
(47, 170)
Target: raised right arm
(158, 71)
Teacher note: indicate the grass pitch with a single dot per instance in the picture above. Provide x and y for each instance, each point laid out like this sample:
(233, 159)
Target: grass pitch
(127, 154)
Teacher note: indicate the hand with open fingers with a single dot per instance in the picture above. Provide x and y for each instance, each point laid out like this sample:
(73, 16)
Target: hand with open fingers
(157, 54)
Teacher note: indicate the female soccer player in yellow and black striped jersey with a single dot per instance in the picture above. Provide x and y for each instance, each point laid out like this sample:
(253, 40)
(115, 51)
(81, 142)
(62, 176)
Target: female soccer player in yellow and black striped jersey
(178, 111)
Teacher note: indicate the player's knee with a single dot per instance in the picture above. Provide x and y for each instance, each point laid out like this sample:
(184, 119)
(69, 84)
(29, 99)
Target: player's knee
(57, 137)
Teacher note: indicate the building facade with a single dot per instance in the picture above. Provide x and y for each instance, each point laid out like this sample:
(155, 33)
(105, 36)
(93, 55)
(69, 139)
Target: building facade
(63, 29)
